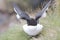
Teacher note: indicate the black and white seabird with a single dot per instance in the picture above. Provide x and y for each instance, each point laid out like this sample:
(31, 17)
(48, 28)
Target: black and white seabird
(32, 27)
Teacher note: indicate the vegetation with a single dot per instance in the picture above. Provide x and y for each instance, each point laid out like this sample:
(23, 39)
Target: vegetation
(51, 29)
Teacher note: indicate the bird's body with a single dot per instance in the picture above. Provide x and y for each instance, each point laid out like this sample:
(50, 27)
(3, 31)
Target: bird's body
(32, 30)
(32, 27)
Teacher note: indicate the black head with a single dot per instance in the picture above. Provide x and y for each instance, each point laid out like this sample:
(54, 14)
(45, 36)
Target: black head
(32, 22)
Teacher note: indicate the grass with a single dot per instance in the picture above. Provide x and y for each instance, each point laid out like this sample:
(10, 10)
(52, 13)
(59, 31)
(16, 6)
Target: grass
(14, 33)
(51, 29)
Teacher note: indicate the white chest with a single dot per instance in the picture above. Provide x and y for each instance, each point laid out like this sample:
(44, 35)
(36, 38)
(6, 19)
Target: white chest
(32, 30)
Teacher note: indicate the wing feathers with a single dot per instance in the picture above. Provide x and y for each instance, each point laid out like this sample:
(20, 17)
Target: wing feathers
(22, 14)
(43, 10)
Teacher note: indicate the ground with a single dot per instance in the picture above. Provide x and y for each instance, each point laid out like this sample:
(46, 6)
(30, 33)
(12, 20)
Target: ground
(51, 30)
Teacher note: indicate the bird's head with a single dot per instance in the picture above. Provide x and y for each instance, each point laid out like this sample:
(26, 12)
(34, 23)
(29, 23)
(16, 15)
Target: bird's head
(32, 22)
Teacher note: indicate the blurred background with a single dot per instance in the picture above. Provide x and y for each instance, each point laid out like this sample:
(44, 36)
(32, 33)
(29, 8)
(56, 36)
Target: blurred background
(11, 28)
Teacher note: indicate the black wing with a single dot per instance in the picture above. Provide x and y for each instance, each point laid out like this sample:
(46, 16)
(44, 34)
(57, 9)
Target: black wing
(44, 9)
(22, 14)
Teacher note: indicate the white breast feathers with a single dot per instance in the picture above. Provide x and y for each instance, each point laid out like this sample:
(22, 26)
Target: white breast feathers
(32, 30)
